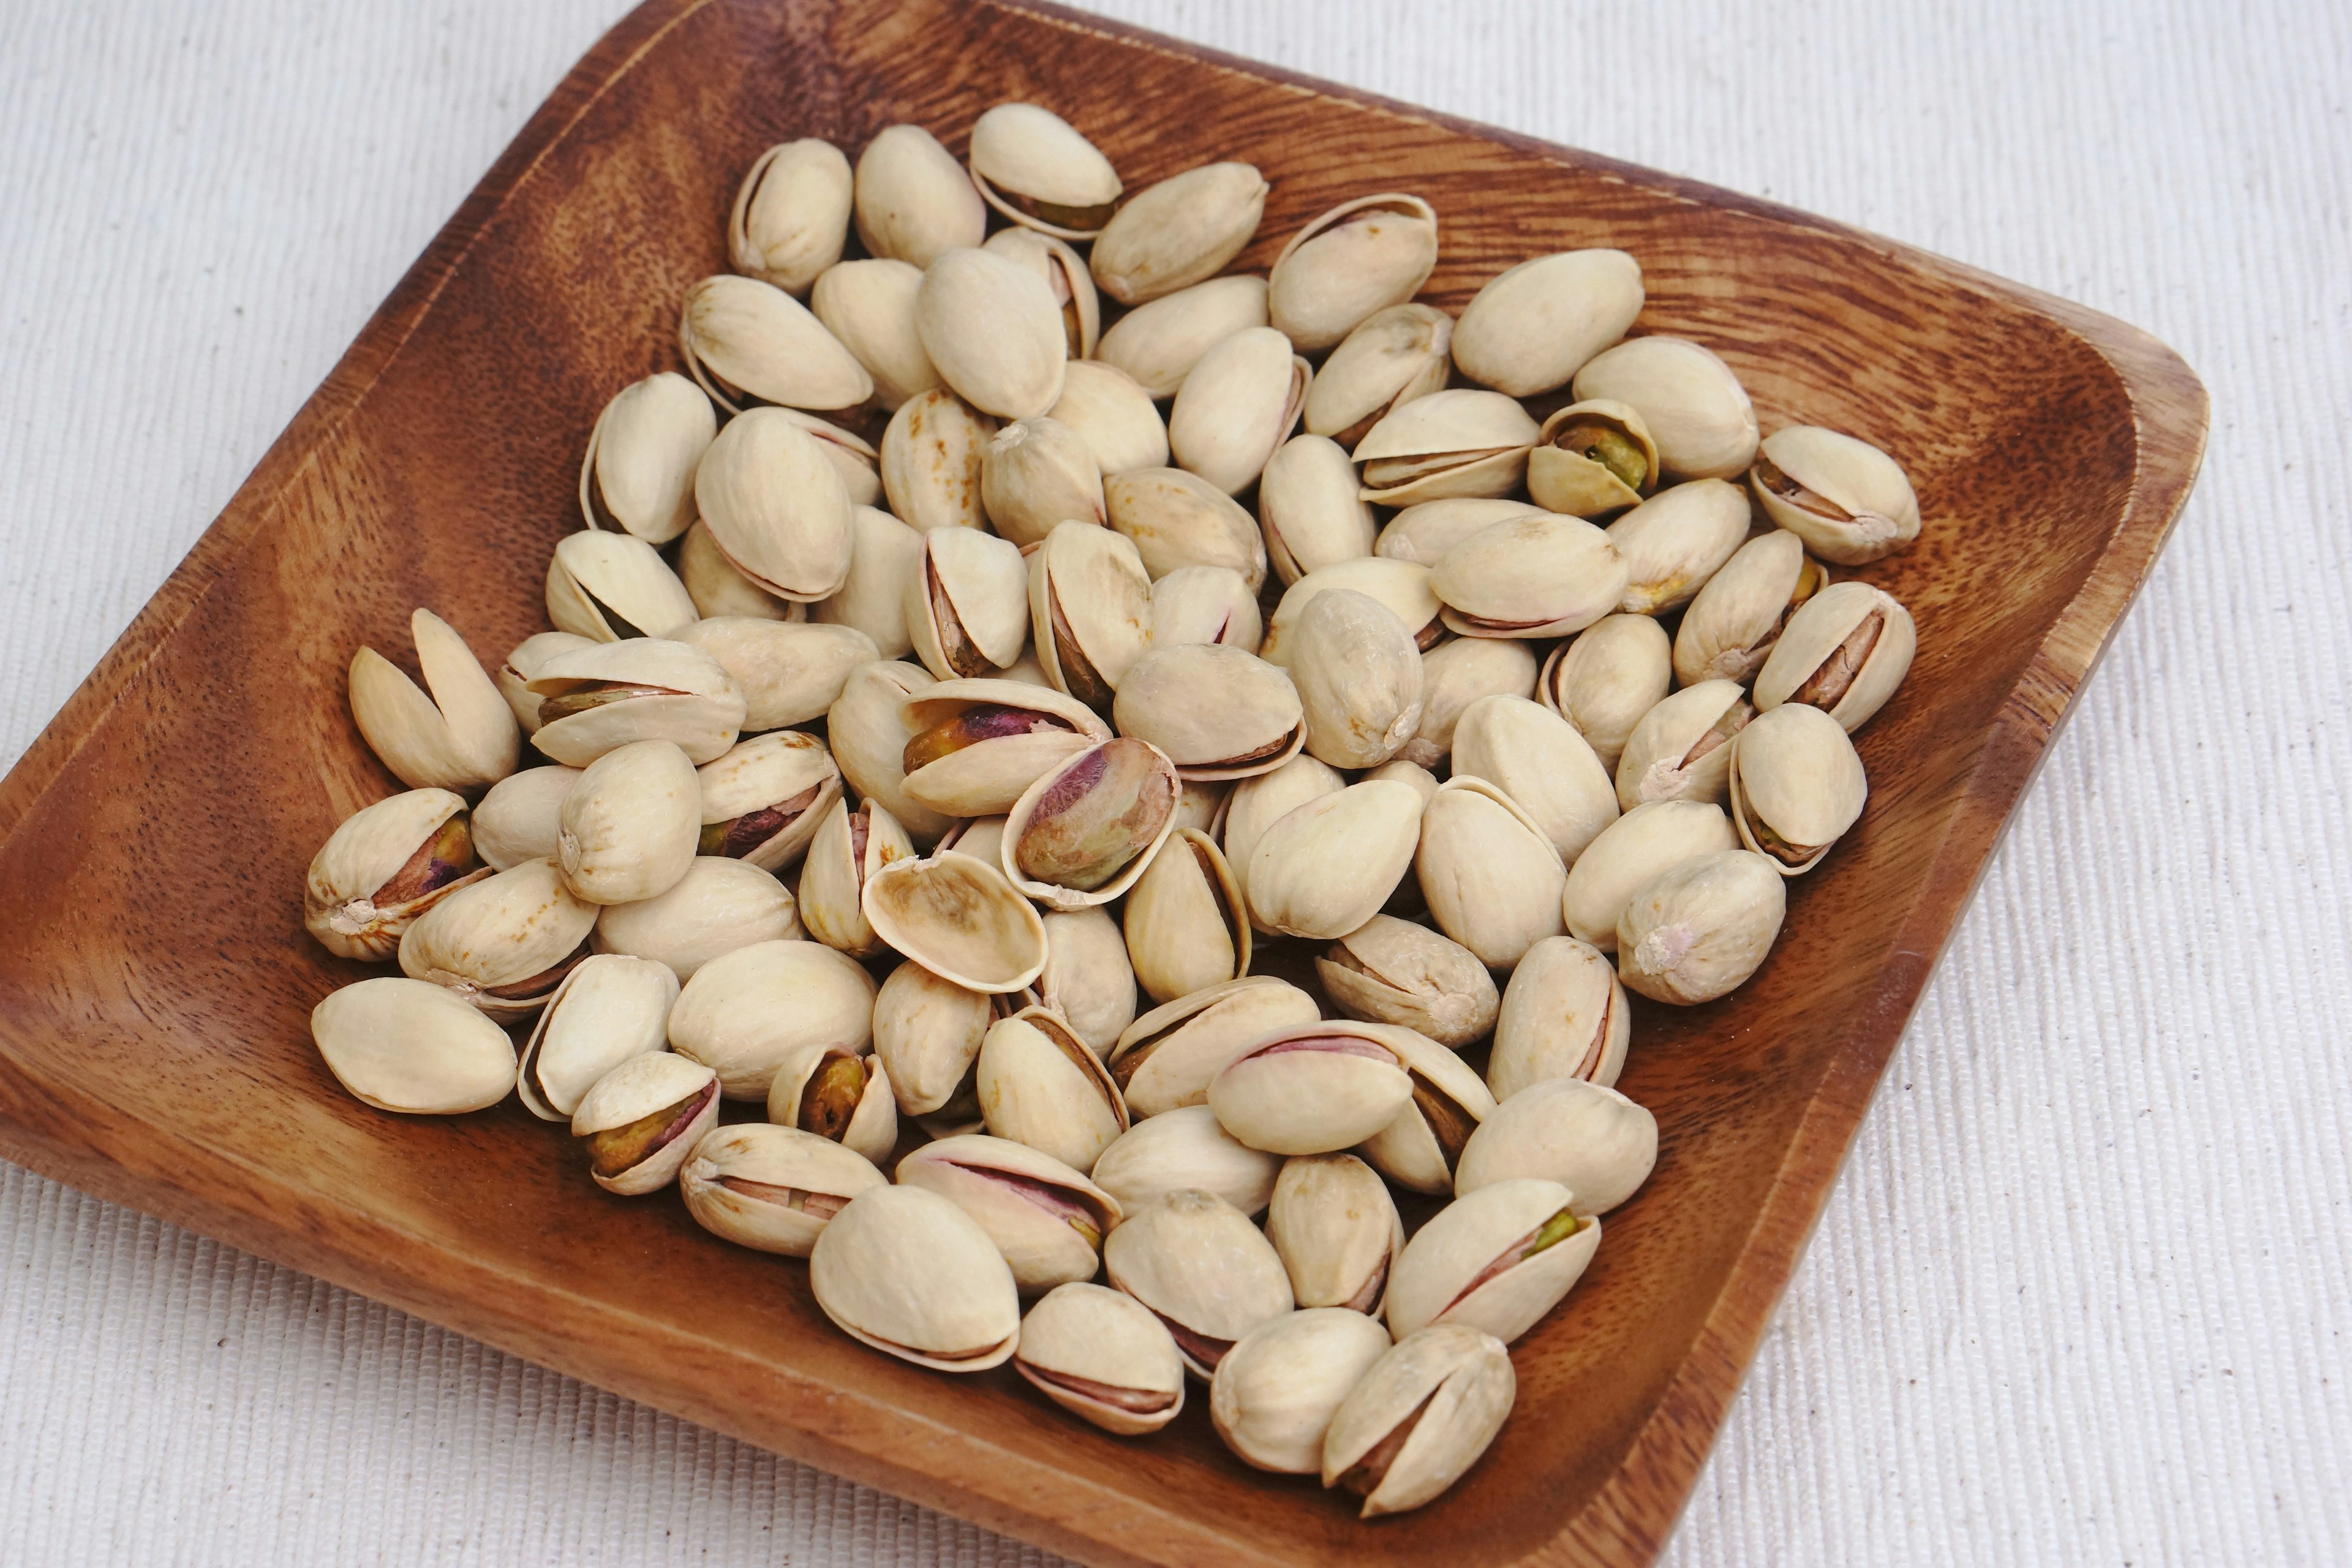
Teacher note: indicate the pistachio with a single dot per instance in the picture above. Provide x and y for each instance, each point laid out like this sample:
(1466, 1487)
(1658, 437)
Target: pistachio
(763, 801)
(1563, 1015)
(1673, 542)
(967, 605)
(869, 306)
(1396, 770)
(514, 676)
(1308, 505)
(1535, 576)
(884, 553)
(1589, 1138)
(607, 586)
(791, 214)
(1490, 874)
(1100, 1355)
(1185, 1148)
(1732, 626)
(1391, 357)
(848, 848)
(1158, 344)
(609, 694)
(1389, 970)
(1202, 1269)
(1178, 520)
(1205, 604)
(1186, 928)
(1113, 416)
(1257, 804)
(1844, 652)
(1424, 531)
(1087, 978)
(1217, 712)
(503, 943)
(746, 1013)
(1532, 327)
(1592, 458)
(927, 1035)
(1418, 1150)
(1165, 1059)
(907, 1271)
(958, 918)
(930, 461)
(1035, 473)
(386, 865)
(867, 731)
(640, 1122)
(1538, 759)
(1692, 404)
(749, 343)
(994, 333)
(1653, 837)
(1462, 442)
(790, 671)
(461, 738)
(1045, 1218)
(1083, 833)
(978, 745)
(628, 825)
(608, 1009)
(1420, 1417)
(1326, 867)
(1064, 271)
(1179, 232)
(775, 507)
(1358, 672)
(406, 1045)
(913, 201)
(1039, 1085)
(1276, 1391)
(1682, 748)
(638, 475)
(1455, 674)
(717, 589)
(716, 906)
(1604, 681)
(852, 456)
(1402, 585)
(838, 1095)
(1796, 786)
(1337, 1231)
(1032, 167)
(1360, 257)
(1202, 806)
(1849, 502)
(1698, 931)
(1239, 403)
(1313, 1089)
(772, 1188)
(1498, 1259)
(1090, 610)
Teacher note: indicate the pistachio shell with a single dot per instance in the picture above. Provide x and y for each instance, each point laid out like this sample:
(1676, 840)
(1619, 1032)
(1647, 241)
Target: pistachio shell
(884, 553)
(385, 866)
(1491, 876)
(1537, 758)
(1698, 931)
(1217, 713)
(930, 461)
(1360, 257)
(1308, 505)
(1205, 604)
(461, 738)
(1090, 610)
(1732, 626)
(1039, 1085)
(1257, 804)
(609, 694)
(1276, 1391)
(978, 745)
(1591, 459)
(1402, 585)
(837, 1094)
(1083, 833)
(1239, 403)
(1389, 970)
(608, 1009)
(1113, 416)
(717, 589)
(1396, 770)
(994, 333)
(1844, 651)
(769, 1187)
(1036, 473)
(1692, 404)
(1418, 1150)
(503, 942)
(1391, 357)
(1178, 520)
(763, 801)
(852, 456)
(641, 1120)
(1420, 1417)
(716, 906)
(1064, 271)
(1337, 1231)
(1563, 1015)
(1328, 865)
(967, 605)
(848, 848)
(515, 675)
(927, 1034)
(1652, 838)
(1033, 167)
(1424, 531)
(748, 343)
(1534, 326)
(1455, 674)
(1682, 748)
(606, 586)
(1046, 1218)
(404, 1045)
(1165, 1059)
(775, 506)
(1589, 1139)
(1314, 1087)
(1796, 786)
(1358, 672)
(1849, 502)
(1185, 926)
(869, 306)
(1174, 234)
(958, 918)
(1463, 442)
(907, 1271)
(745, 1013)
(1673, 542)
(1158, 344)
(1202, 1269)
(1604, 681)
(1100, 1355)
(1202, 806)
(638, 472)
(1497, 1258)
(913, 201)
(867, 731)
(791, 214)
(1087, 978)
(1536, 576)
(790, 671)
(627, 828)
(1181, 1148)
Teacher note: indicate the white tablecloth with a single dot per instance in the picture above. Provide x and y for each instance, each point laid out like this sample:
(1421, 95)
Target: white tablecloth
(2084, 1290)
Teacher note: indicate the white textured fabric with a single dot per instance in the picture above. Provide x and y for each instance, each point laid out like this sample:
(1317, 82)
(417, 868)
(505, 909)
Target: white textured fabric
(2083, 1294)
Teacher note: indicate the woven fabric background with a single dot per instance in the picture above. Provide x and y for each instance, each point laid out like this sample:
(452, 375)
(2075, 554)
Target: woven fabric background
(2083, 1292)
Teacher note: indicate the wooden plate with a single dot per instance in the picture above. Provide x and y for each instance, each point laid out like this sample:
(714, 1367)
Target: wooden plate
(155, 981)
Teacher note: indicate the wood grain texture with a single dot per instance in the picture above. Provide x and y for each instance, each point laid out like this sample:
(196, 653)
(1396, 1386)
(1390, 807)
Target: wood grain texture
(153, 997)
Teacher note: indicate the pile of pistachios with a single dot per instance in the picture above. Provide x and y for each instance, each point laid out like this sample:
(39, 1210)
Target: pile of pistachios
(875, 781)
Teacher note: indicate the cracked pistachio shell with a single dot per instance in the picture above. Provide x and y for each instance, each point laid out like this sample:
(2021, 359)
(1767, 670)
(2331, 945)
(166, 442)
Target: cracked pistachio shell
(912, 201)
(1240, 402)
(1849, 502)
(1039, 1085)
(1046, 1218)
(1602, 682)
(1185, 926)
(775, 507)
(1455, 674)
(1313, 1089)
(1035, 474)
(1693, 406)
(1360, 257)
(927, 1034)
(978, 745)
(1101, 1356)
(1489, 873)
(716, 906)
(1538, 759)
(1085, 832)
(638, 475)
(717, 589)
(994, 333)
(1158, 343)
(1114, 417)
(406, 1045)
(837, 1094)
(790, 671)
(1563, 1015)
(749, 343)
(771, 1188)
(1534, 326)
(462, 737)
(1205, 604)
(848, 848)
(608, 1010)
(1402, 585)
(1731, 626)
(1328, 865)
(1337, 1231)
(1424, 531)
(967, 603)
(605, 695)
(1796, 786)
(1276, 1391)
(958, 918)
(869, 306)
(1165, 1059)
(930, 461)
(1697, 932)
(1534, 576)
(503, 943)
(905, 1271)
(1844, 652)
(1037, 169)
(1065, 274)
(1358, 676)
(385, 865)
(514, 676)
(884, 553)
(521, 819)
(1179, 232)
(1087, 978)
(1185, 1148)
(1389, 970)
(1217, 713)
(763, 801)
(866, 729)
(745, 1013)
(1257, 804)
(1682, 748)
(1178, 519)
(1390, 358)
(627, 828)
(1449, 1274)
(1654, 836)
(1460, 442)
(1673, 542)
(1202, 1269)
(1589, 1139)
(790, 216)
(1418, 1150)
(1308, 505)
(1592, 458)
(1448, 1389)
(606, 586)
(1090, 610)
(641, 1121)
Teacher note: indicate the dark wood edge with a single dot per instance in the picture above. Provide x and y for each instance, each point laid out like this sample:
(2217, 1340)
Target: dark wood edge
(127, 1161)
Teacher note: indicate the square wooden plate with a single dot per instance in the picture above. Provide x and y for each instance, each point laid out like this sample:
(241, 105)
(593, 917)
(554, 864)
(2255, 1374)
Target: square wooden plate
(155, 981)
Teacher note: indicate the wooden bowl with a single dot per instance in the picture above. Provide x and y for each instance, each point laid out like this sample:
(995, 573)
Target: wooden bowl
(156, 982)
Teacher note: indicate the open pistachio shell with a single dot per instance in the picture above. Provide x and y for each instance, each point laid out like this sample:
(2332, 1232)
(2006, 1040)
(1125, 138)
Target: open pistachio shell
(1090, 610)
(994, 331)
(1682, 748)
(1389, 970)
(764, 800)
(1673, 542)
(930, 461)
(775, 506)
(1327, 866)
(1796, 786)
(1276, 1391)
(1166, 1058)
(1202, 1269)
(1698, 931)
(1178, 519)
(514, 676)
(1185, 926)
(1158, 344)
(462, 738)
(1114, 417)
(1083, 833)
(1239, 403)
(1205, 604)
(1462, 442)
(1490, 874)
(1419, 1149)
(1652, 838)
(1605, 680)
(1039, 1085)
(1538, 759)
(628, 825)
(1844, 651)
(1563, 1015)
(1730, 628)
(1033, 167)
(869, 306)
(790, 217)
(1535, 576)
(1046, 1218)
(1336, 1230)
(608, 1009)
(1419, 1418)
(958, 918)
(1087, 978)
(907, 1271)
(503, 943)
(913, 202)
(406, 1045)
(1692, 405)
(746, 1013)
(716, 906)
(1100, 1355)
(838, 1094)
(1179, 232)
(1064, 271)
(641, 1120)
(1592, 458)
(638, 475)
(967, 603)
(1314, 1087)
(606, 586)
(386, 865)
(1534, 325)
(1589, 1139)
(866, 729)
(1498, 1259)
(1185, 1148)
(1391, 357)
(848, 848)
(872, 599)
(1309, 509)
(1037, 473)
(608, 695)
(1360, 257)
(976, 745)
(1849, 502)
(771, 1188)
(749, 343)
(1217, 713)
